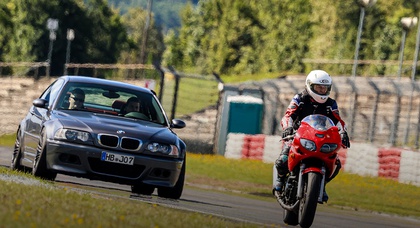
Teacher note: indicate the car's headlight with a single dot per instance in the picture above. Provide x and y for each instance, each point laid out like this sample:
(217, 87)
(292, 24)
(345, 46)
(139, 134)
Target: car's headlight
(171, 150)
(308, 144)
(328, 147)
(73, 135)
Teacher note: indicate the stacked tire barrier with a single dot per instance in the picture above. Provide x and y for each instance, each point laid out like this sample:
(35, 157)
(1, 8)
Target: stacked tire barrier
(362, 158)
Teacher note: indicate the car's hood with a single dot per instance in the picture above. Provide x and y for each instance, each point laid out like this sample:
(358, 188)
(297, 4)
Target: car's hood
(108, 124)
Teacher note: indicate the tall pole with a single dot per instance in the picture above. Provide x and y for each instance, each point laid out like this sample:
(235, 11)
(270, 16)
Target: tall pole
(416, 54)
(359, 34)
(50, 50)
(407, 23)
(404, 34)
(145, 31)
(52, 25)
(363, 5)
(70, 37)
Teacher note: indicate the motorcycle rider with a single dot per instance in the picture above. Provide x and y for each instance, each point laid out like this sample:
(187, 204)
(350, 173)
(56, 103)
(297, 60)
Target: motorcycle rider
(314, 99)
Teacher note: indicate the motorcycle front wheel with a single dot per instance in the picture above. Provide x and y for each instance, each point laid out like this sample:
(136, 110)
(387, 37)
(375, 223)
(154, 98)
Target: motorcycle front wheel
(309, 201)
(290, 218)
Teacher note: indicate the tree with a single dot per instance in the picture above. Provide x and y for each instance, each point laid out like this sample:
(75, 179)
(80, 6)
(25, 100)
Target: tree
(134, 21)
(7, 26)
(99, 33)
(166, 13)
(245, 36)
(273, 36)
(106, 32)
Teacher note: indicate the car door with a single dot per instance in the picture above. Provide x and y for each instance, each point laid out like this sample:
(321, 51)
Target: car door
(35, 120)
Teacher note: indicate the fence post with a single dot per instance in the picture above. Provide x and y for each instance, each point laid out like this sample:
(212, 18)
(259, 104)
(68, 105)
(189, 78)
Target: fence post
(48, 69)
(162, 79)
(174, 102)
(275, 124)
(353, 105)
(418, 130)
(410, 108)
(220, 88)
(394, 127)
(65, 69)
(372, 125)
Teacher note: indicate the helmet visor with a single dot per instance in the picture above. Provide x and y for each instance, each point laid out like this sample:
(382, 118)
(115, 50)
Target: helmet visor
(323, 90)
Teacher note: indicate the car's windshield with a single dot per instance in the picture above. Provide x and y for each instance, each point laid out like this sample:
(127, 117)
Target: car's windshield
(319, 122)
(111, 100)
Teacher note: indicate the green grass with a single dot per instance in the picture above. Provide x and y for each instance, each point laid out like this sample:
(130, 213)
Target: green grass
(193, 95)
(7, 139)
(34, 203)
(250, 178)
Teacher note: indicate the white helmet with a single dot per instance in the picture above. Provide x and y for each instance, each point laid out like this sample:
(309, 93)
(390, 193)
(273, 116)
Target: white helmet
(318, 77)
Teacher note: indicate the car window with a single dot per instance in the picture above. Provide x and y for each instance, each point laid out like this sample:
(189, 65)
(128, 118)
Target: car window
(112, 101)
(55, 90)
(52, 91)
(46, 94)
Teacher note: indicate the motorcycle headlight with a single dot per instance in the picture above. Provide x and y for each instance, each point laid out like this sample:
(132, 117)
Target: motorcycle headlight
(308, 144)
(328, 147)
(73, 135)
(166, 149)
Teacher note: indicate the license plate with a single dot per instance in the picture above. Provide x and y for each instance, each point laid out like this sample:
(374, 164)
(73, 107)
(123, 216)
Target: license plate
(117, 158)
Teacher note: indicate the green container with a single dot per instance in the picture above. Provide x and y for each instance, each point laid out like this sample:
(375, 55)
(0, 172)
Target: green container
(245, 118)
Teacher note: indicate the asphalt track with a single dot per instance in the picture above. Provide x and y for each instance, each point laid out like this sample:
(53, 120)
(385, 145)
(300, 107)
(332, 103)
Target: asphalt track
(264, 213)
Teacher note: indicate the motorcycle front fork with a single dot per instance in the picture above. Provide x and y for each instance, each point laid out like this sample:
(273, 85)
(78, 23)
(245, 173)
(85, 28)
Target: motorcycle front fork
(300, 183)
(321, 188)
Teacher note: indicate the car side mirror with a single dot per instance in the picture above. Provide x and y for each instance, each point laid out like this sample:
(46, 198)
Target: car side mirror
(40, 103)
(177, 123)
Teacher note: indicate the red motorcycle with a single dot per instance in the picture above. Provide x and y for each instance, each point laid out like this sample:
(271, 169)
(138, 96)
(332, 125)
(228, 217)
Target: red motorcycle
(312, 158)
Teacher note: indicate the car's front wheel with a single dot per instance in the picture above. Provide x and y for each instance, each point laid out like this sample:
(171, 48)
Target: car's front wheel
(40, 163)
(176, 191)
(17, 153)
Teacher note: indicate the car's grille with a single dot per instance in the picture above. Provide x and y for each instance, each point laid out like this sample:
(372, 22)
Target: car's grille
(124, 143)
(108, 140)
(130, 143)
(130, 171)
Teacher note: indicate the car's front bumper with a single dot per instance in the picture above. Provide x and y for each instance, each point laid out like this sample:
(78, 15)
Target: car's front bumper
(85, 161)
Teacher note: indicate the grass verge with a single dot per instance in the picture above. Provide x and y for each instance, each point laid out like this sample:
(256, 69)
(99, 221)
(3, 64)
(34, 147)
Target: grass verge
(29, 202)
(249, 178)
(253, 178)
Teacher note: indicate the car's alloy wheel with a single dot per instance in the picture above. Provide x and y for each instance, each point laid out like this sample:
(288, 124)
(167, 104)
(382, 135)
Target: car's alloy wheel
(17, 153)
(40, 163)
(176, 191)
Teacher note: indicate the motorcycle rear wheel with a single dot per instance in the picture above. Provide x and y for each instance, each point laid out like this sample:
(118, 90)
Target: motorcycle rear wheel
(309, 202)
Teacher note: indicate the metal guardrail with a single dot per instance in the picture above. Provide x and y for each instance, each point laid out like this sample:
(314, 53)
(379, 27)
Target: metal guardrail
(377, 110)
(28, 66)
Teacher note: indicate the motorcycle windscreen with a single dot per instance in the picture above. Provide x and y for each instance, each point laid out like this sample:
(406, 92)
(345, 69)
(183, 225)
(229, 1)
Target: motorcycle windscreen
(319, 122)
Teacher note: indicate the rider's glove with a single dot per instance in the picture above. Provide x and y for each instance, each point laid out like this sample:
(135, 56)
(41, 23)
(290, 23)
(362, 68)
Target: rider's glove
(288, 131)
(345, 139)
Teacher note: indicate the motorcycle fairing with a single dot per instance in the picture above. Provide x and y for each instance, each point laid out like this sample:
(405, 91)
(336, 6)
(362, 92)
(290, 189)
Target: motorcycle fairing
(320, 134)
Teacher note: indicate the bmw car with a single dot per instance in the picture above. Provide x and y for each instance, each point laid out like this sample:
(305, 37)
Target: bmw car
(98, 140)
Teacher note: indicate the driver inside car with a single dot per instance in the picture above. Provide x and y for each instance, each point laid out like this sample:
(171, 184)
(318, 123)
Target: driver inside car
(132, 105)
(76, 99)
